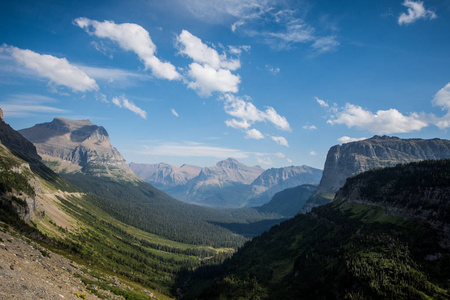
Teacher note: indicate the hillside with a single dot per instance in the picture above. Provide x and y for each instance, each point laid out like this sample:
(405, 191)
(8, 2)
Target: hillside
(94, 230)
(344, 161)
(384, 237)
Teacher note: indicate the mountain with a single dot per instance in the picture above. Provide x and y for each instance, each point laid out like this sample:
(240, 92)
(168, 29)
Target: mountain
(275, 180)
(78, 146)
(130, 229)
(227, 184)
(385, 236)
(164, 175)
(289, 202)
(349, 159)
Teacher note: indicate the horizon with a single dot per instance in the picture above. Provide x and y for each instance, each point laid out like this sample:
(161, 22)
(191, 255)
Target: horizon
(269, 83)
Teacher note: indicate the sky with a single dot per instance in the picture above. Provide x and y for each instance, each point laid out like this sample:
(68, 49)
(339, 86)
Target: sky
(270, 83)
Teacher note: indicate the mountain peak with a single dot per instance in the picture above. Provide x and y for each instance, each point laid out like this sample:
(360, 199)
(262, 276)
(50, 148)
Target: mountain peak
(78, 145)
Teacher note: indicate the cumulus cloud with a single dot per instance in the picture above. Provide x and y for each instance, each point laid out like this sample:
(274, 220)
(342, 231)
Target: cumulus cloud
(416, 11)
(174, 112)
(123, 102)
(247, 112)
(312, 153)
(193, 47)
(346, 139)
(264, 161)
(280, 155)
(210, 71)
(442, 97)
(280, 140)
(237, 124)
(131, 37)
(58, 70)
(207, 80)
(382, 122)
(254, 134)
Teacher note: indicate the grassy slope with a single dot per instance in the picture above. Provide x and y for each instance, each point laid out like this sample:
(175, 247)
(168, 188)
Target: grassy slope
(340, 250)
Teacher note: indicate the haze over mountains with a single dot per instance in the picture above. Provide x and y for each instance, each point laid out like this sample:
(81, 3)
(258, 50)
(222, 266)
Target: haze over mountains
(227, 184)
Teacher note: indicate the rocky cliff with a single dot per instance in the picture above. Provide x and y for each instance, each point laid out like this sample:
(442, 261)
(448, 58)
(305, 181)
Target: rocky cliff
(70, 146)
(349, 159)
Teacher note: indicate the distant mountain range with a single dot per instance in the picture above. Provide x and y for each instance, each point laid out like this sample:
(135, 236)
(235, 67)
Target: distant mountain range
(344, 161)
(70, 146)
(227, 184)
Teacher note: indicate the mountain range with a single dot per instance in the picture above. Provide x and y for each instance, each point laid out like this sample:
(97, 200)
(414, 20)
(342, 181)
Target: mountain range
(227, 184)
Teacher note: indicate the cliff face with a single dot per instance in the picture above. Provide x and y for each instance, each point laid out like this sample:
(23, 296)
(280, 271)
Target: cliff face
(73, 146)
(344, 161)
(350, 159)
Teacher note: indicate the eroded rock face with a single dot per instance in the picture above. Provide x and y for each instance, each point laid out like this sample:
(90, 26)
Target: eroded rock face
(350, 159)
(344, 161)
(73, 146)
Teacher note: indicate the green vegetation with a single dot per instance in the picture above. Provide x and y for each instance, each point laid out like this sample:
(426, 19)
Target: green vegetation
(141, 205)
(344, 250)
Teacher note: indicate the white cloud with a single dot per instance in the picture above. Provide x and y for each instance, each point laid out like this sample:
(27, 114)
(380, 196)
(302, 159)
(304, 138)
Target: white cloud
(346, 139)
(194, 150)
(207, 80)
(194, 48)
(280, 140)
(248, 113)
(123, 102)
(416, 11)
(210, 72)
(118, 77)
(131, 37)
(289, 160)
(310, 127)
(312, 153)
(280, 155)
(442, 97)
(253, 18)
(174, 112)
(26, 105)
(237, 124)
(254, 134)
(325, 44)
(382, 122)
(58, 70)
(322, 103)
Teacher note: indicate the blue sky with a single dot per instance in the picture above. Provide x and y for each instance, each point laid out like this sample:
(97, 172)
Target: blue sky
(273, 83)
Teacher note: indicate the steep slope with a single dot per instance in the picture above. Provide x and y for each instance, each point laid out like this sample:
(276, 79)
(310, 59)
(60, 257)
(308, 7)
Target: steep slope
(164, 175)
(289, 202)
(384, 237)
(275, 180)
(78, 146)
(349, 159)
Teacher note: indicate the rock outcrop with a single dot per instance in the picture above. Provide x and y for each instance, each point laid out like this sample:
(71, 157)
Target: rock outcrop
(70, 146)
(344, 161)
